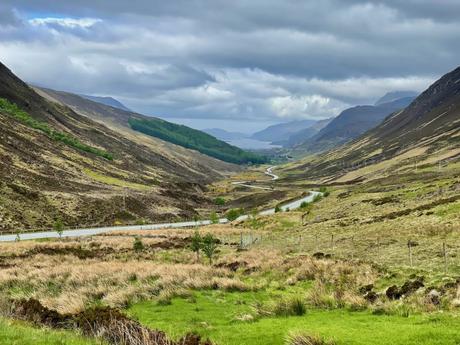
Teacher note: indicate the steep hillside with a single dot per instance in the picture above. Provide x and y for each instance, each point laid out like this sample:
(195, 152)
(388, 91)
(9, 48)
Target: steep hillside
(222, 134)
(350, 124)
(55, 163)
(154, 127)
(422, 137)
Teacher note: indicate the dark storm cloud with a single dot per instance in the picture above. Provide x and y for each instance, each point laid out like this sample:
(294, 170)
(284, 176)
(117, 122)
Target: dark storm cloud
(232, 59)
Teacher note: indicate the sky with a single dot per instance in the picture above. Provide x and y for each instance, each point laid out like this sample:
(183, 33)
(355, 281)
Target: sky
(241, 65)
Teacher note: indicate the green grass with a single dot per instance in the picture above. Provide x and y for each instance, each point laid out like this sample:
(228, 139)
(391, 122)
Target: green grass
(14, 111)
(115, 181)
(213, 315)
(195, 140)
(19, 333)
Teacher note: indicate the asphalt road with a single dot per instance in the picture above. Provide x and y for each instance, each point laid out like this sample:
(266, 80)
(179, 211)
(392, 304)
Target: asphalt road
(94, 231)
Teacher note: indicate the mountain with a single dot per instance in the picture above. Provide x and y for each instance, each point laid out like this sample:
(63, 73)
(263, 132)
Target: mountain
(177, 134)
(222, 134)
(282, 131)
(395, 95)
(304, 134)
(57, 164)
(424, 133)
(107, 101)
(351, 123)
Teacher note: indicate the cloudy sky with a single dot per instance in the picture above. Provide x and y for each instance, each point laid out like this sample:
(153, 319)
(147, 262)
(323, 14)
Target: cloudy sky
(239, 63)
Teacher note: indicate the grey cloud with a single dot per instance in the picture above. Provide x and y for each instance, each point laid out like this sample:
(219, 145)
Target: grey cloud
(259, 59)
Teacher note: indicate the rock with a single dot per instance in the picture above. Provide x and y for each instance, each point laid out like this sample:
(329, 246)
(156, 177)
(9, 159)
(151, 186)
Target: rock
(434, 297)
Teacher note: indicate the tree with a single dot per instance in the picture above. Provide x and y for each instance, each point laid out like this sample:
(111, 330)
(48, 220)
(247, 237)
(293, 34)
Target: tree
(138, 246)
(209, 246)
(214, 218)
(58, 226)
(196, 244)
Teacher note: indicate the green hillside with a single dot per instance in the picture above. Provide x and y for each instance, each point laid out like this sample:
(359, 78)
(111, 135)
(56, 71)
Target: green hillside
(194, 139)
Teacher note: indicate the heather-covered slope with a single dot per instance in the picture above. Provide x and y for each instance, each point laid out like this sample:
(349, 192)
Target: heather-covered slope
(351, 123)
(154, 127)
(51, 167)
(426, 132)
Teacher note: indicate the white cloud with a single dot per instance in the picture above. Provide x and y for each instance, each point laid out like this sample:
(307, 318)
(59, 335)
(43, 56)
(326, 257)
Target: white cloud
(66, 22)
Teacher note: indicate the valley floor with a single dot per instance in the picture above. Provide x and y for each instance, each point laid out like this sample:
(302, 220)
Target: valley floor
(371, 263)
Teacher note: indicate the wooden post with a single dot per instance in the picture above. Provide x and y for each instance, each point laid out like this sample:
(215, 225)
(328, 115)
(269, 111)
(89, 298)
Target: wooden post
(409, 245)
(241, 240)
(444, 251)
(332, 241)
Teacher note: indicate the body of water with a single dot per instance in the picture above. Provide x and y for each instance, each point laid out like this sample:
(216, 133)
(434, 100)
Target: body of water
(252, 144)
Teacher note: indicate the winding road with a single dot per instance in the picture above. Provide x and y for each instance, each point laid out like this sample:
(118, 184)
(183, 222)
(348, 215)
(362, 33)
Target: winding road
(95, 231)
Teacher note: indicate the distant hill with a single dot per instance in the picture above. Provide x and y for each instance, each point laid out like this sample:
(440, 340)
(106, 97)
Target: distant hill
(177, 134)
(282, 131)
(222, 134)
(395, 95)
(304, 134)
(425, 132)
(112, 102)
(56, 163)
(351, 123)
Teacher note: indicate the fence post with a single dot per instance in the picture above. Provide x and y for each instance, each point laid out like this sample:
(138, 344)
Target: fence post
(332, 241)
(241, 240)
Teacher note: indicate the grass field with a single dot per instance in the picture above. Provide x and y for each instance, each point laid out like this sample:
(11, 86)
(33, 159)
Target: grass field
(214, 315)
(19, 333)
(340, 268)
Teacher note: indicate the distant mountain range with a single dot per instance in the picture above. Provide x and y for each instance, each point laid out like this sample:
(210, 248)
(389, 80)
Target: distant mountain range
(351, 123)
(282, 131)
(426, 131)
(222, 134)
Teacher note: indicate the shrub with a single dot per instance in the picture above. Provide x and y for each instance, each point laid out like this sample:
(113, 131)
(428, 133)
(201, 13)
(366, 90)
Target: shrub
(317, 197)
(219, 201)
(234, 213)
(138, 246)
(209, 246)
(290, 307)
(277, 209)
(324, 191)
(196, 244)
(58, 226)
(214, 218)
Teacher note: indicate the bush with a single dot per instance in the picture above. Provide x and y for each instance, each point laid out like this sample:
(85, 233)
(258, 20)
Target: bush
(277, 209)
(219, 201)
(291, 307)
(234, 213)
(317, 197)
(209, 246)
(196, 244)
(214, 218)
(324, 191)
(138, 246)
(58, 226)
